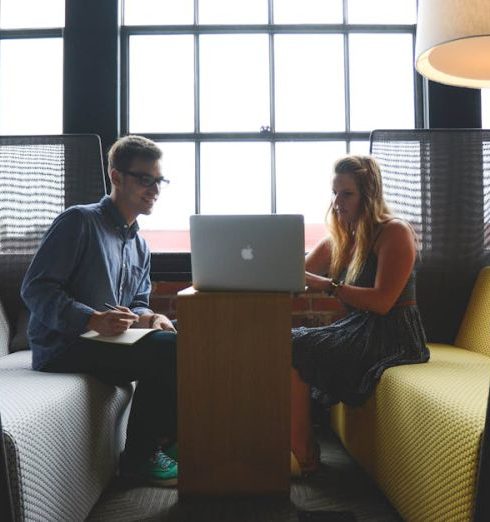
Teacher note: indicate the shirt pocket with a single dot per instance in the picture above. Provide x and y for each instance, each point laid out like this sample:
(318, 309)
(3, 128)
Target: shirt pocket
(135, 283)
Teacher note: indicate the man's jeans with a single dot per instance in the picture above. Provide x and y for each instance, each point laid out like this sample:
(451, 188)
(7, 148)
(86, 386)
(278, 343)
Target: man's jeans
(152, 361)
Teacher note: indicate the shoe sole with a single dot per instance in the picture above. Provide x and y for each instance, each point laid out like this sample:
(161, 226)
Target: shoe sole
(167, 483)
(163, 483)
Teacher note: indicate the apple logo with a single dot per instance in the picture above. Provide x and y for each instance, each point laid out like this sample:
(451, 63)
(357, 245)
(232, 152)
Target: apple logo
(247, 253)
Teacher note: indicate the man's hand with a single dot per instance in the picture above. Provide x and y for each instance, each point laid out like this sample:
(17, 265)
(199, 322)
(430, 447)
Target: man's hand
(163, 323)
(112, 322)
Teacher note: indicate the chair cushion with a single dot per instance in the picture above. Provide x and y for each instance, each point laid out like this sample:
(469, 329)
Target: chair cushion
(419, 434)
(63, 434)
(16, 361)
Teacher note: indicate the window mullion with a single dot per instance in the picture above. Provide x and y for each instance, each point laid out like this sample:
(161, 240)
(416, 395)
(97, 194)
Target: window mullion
(272, 104)
(273, 178)
(124, 87)
(19, 34)
(346, 74)
(418, 89)
(197, 121)
(197, 159)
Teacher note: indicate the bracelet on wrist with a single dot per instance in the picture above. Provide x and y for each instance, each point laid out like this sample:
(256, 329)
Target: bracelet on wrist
(334, 287)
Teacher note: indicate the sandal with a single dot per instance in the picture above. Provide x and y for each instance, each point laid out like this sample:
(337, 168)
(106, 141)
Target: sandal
(307, 468)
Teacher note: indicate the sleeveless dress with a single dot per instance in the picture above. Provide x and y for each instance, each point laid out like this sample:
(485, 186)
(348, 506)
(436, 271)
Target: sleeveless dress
(343, 361)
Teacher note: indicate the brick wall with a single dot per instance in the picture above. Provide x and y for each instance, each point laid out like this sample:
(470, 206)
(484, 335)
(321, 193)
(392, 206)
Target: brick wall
(309, 309)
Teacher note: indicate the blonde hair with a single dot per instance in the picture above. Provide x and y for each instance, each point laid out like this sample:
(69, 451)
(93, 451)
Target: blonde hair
(373, 210)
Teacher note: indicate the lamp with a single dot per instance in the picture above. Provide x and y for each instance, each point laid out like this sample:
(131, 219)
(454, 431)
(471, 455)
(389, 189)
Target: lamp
(453, 42)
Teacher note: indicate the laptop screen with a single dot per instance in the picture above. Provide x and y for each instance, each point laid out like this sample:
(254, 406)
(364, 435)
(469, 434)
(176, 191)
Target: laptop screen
(248, 252)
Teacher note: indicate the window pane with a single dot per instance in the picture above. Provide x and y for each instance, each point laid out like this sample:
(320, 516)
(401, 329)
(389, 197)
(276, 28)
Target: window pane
(381, 77)
(167, 228)
(158, 12)
(382, 12)
(235, 178)
(309, 83)
(304, 174)
(360, 148)
(161, 84)
(32, 14)
(307, 11)
(233, 12)
(485, 108)
(234, 84)
(31, 86)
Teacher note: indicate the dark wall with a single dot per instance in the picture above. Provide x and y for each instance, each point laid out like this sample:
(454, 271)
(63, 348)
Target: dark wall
(453, 107)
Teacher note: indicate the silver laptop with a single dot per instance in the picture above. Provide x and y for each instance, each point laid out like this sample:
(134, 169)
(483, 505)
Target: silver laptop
(249, 252)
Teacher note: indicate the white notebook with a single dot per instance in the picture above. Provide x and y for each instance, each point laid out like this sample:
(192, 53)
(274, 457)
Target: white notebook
(130, 336)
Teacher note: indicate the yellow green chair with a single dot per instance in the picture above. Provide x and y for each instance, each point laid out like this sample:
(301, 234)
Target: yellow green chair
(419, 434)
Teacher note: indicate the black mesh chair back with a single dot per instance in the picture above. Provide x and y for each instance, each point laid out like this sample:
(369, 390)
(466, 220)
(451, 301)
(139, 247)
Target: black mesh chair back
(40, 176)
(439, 180)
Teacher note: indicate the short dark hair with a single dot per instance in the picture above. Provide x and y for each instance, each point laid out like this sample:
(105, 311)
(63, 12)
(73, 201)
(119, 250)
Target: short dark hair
(128, 148)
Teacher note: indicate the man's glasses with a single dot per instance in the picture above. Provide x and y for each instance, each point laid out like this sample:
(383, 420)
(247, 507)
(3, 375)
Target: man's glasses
(146, 180)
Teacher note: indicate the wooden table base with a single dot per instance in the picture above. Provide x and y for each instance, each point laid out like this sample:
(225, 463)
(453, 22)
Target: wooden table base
(234, 367)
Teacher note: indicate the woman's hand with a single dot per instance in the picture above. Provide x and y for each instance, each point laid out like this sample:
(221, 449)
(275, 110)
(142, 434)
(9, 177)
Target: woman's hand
(317, 282)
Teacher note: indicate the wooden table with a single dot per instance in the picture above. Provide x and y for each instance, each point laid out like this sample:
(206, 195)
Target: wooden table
(234, 370)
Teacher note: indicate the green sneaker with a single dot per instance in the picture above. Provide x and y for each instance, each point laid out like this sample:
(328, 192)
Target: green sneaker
(160, 470)
(172, 451)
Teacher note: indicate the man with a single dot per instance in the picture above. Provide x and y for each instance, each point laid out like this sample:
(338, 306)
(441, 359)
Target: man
(91, 255)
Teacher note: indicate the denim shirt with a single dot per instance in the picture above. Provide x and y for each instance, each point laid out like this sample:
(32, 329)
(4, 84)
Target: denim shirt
(89, 256)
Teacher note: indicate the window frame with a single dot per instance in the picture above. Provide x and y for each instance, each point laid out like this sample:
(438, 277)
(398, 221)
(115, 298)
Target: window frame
(22, 34)
(173, 265)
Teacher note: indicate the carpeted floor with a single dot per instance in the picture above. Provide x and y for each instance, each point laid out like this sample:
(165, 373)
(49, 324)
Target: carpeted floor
(340, 487)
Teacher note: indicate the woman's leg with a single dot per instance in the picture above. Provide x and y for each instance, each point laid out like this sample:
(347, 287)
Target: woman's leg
(303, 443)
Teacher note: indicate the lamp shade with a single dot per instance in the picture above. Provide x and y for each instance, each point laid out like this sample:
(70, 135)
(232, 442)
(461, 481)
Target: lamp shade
(453, 42)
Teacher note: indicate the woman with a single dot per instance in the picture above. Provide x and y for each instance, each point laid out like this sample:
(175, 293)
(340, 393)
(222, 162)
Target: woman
(369, 256)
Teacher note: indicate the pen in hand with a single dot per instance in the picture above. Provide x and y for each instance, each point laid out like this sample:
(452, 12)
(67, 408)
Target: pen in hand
(118, 309)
